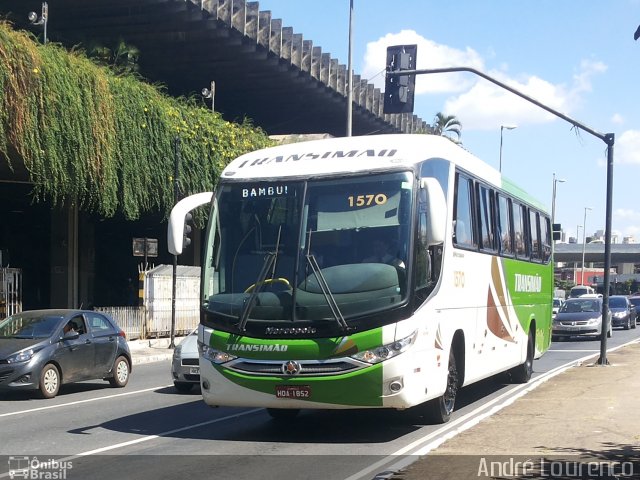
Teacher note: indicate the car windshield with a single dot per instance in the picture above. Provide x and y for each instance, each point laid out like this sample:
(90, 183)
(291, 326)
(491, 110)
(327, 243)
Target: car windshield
(578, 305)
(29, 325)
(317, 251)
(617, 302)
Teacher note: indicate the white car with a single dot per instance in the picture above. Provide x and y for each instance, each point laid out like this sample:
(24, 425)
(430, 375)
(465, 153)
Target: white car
(185, 367)
(557, 303)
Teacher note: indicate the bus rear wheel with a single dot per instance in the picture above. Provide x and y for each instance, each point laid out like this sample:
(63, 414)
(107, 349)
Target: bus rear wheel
(439, 409)
(522, 373)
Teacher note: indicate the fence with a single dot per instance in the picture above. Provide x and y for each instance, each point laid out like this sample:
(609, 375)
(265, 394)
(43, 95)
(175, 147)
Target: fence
(10, 291)
(139, 322)
(133, 320)
(153, 318)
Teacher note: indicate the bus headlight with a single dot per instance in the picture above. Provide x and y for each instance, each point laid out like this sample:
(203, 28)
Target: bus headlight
(387, 351)
(213, 355)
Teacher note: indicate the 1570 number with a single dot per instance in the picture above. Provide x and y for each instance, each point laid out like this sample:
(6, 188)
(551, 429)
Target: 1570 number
(367, 200)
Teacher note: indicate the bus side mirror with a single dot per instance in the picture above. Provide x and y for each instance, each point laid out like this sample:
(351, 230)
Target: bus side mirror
(177, 220)
(557, 231)
(436, 211)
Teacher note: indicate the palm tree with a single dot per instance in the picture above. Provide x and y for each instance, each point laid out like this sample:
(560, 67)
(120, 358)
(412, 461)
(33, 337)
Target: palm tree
(446, 125)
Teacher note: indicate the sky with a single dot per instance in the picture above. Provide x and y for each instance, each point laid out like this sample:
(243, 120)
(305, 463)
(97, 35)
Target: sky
(578, 57)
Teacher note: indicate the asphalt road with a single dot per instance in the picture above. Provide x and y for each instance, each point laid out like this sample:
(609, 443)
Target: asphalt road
(147, 430)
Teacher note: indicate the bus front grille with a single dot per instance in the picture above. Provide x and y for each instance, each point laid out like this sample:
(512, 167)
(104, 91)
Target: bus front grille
(307, 368)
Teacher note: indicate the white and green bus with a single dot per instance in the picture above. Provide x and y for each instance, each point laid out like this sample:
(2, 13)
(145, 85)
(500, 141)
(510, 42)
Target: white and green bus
(367, 272)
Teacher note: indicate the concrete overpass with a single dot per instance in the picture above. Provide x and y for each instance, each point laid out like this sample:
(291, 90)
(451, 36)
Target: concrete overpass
(594, 253)
(263, 70)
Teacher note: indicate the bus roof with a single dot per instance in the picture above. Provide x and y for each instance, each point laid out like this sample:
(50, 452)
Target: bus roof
(347, 155)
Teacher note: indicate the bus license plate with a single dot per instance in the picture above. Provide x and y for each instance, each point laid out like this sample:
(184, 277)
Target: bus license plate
(293, 391)
(194, 370)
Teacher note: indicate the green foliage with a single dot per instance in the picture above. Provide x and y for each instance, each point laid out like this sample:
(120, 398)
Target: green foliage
(106, 141)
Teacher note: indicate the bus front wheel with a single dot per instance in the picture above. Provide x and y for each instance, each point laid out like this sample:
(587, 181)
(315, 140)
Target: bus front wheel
(439, 409)
(283, 413)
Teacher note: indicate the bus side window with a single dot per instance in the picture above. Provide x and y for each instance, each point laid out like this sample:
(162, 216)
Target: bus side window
(505, 228)
(519, 231)
(486, 218)
(536, 253)
(463, 226)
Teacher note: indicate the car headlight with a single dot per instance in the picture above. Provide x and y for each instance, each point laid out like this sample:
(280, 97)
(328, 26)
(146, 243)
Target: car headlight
(619, 314)
(23, 356)
(387, 351)
(213, 355)
(594, 321)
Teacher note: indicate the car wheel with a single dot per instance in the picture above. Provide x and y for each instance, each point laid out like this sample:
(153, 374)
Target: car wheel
(633, 324)
(439, 409)
(522, 373)
(120, 373)
(627, 326)
(609, 332)
(183, 387)
(49, 381)
(283, 413)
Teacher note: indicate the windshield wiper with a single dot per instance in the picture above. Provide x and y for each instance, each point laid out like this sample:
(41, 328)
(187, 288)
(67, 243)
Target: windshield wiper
(322, 283)
(271, 259)
(249, 304)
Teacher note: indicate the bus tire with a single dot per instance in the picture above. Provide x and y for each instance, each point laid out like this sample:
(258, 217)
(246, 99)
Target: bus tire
(283, 413)
(183, 387)
(522, 373)
(439, 409)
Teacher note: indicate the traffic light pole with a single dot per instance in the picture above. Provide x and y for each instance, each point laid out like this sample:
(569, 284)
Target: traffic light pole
(608, 138)
(174, 274)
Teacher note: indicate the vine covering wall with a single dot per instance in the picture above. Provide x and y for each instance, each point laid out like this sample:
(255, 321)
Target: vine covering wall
(105, 141)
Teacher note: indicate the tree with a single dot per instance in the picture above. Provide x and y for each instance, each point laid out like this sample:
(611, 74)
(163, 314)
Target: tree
(122, 59)
(446, 125)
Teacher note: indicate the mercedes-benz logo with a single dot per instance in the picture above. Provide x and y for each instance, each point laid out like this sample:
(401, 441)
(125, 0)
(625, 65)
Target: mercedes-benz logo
(291, 368)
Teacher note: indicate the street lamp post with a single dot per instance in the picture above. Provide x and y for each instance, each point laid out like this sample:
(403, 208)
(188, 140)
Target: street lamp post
(502, 127)
(41, 20)
(553, 199)
(584, 241)
(211, 94)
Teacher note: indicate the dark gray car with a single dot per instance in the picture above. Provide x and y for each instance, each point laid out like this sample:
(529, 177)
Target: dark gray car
(42, 349)
(623, 313)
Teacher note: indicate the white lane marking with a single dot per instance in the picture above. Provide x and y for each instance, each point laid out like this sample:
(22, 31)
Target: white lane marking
(470, 419)
(574, 351)
(77, 402)
(150, 437)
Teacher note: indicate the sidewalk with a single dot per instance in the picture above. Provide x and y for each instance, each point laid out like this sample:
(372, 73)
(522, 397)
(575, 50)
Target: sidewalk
(586, 418)
(152, 350)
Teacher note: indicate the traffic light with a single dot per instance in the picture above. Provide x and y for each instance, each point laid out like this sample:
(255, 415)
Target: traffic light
(186, 239)
(399, 91)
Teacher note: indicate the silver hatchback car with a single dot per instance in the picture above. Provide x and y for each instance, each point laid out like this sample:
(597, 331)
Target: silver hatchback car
(185, 367)
(580, 317)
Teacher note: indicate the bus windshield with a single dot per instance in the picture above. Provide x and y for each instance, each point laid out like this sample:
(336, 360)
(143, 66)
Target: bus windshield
(307, 252)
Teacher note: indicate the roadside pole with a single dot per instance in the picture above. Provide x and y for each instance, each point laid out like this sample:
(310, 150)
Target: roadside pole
(174, 274)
